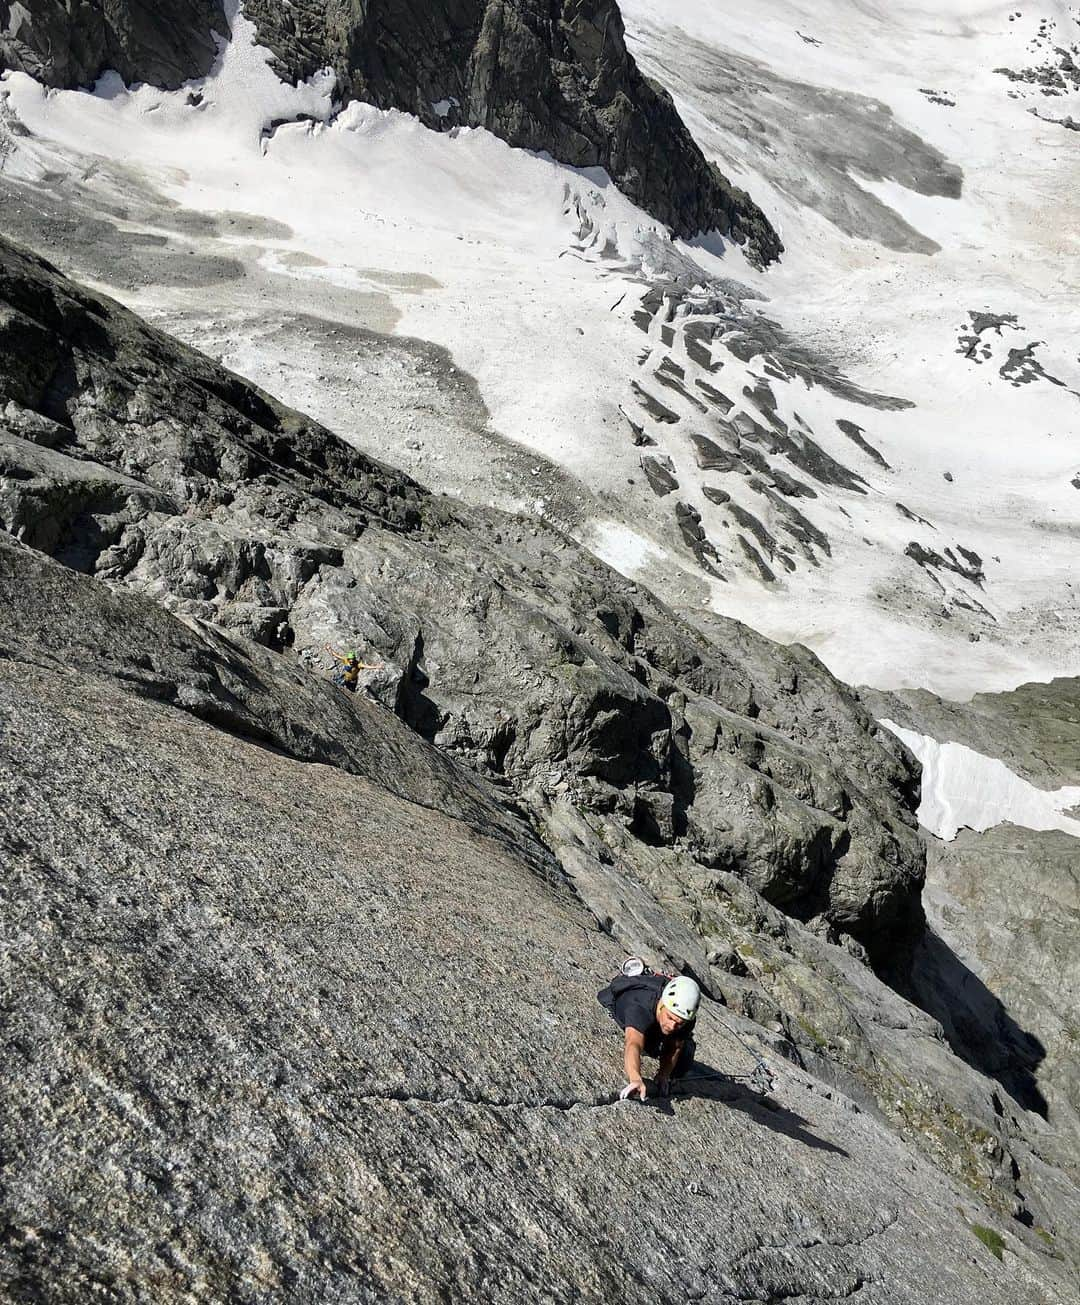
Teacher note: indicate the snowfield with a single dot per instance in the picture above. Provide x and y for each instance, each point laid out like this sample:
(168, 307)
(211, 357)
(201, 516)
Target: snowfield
(872, 448)
(963, 789)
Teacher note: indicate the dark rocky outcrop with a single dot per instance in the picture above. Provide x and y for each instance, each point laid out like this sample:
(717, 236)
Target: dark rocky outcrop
(140, 462)
(970, 568)
(549, 77)
(71, 43)
(554, 77)
(659, 475)
(856, 434)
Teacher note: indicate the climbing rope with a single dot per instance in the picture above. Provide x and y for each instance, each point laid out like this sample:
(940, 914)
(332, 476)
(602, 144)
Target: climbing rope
(761, 1076)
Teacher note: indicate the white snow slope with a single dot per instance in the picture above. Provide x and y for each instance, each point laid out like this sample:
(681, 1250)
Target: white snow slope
(963, 789)
(517, 332)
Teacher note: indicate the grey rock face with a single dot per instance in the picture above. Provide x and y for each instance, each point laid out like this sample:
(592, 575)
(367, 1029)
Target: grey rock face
(1034, 729)
(67, 43)
(967, 1090)
(504, 643)
(305, 1004)
(251, 694)
(999, 964)
(281, 1033)
(1008, 901)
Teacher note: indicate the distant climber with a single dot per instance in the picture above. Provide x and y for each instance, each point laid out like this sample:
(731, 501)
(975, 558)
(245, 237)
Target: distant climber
(656, 1013)
(349, 668)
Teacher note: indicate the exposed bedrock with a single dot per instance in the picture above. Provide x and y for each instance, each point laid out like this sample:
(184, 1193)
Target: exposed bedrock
(285, 1031)
(69, 43)
(1006, 901)
(137, 460)
(276, 941)
(1034, 729)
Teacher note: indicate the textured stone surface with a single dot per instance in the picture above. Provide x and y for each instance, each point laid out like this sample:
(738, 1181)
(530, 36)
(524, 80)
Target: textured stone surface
(248, 692)
(277, 1038)
(503, 642)
(71, 43)
(300, 1005)
(1008, 900)
(999, 964)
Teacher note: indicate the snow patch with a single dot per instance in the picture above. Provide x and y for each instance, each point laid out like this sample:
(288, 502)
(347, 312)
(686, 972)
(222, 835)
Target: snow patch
(622, 548)
(962, 788)
(351, 227)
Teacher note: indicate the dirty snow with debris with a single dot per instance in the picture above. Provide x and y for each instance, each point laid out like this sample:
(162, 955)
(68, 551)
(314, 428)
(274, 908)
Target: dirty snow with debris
(872, 446)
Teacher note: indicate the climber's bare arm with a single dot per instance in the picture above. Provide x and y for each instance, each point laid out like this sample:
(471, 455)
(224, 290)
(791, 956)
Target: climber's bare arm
(633, 1046)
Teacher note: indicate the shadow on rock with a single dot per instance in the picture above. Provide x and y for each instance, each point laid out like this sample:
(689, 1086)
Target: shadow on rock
(710, 1084)
(977, 1025)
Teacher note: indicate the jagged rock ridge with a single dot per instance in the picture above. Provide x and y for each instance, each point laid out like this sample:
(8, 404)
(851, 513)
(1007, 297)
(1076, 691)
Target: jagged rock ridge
(552, 78)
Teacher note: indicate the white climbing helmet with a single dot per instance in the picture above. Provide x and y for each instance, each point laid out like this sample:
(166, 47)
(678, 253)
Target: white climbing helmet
(682, 996)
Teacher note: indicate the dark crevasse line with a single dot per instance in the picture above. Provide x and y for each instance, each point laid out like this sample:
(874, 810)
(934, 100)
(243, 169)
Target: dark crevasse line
(565, 1105)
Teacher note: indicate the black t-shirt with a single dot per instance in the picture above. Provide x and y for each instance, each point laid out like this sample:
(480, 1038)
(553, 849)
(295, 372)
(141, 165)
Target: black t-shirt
(635, 1006)
(632, 1003)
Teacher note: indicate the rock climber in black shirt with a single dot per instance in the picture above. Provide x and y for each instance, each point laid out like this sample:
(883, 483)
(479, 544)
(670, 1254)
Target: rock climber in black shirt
(657, 1015)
